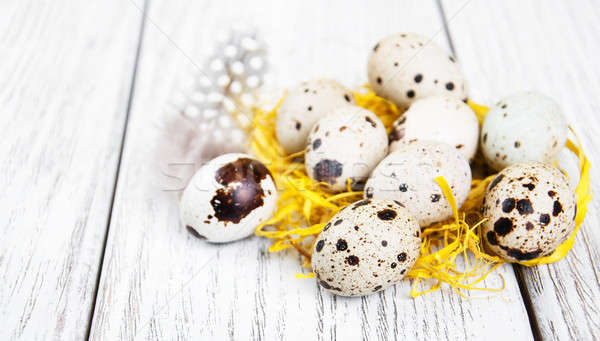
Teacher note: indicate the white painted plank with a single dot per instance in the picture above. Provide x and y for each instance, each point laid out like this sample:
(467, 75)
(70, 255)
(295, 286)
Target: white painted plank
(65, 73)
(552, 47)
(159, 282)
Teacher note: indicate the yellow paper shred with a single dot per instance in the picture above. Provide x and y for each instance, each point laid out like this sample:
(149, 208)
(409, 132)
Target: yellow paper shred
(305, 206)
(479, 110)
(442, 243)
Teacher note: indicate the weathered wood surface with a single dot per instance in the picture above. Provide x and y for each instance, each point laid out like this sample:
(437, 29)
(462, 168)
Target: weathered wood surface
(65, 85)
(551, 47)
(159, 282)
(65, 73)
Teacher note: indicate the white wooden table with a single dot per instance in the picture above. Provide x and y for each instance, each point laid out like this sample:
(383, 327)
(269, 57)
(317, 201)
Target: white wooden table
(90, 245)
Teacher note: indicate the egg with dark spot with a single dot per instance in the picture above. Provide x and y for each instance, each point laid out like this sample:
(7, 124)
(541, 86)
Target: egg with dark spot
(350, 142)
(523, 127)
(303, 105)
(407, 67)
(372, 247)
(408, 176)
(228, 198)
(524, 222)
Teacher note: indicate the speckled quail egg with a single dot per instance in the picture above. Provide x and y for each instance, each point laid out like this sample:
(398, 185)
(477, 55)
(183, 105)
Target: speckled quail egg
(439, 118)
(530, 210)
(303, 106)
(228, 198)
(346, 144)
(408, 176)
(523, 127)
(368, 246)
(406, 67)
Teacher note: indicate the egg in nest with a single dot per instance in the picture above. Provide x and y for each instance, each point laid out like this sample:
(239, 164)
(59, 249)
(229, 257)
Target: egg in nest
(405, 67)
(530, 210)
(228, 198)
(366, 247)
(346, 144)
(304, 105)
(408, 176)
(439, 118)
(524, 127)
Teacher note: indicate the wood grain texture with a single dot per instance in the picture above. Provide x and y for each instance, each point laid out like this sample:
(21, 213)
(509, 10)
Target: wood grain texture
(158, 282)
(65, 76)
(551, 47)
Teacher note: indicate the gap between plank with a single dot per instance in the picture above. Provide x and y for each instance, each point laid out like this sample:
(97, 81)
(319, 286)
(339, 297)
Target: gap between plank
(118, 168)
(446, 28)
(535, 328)
(525, 296)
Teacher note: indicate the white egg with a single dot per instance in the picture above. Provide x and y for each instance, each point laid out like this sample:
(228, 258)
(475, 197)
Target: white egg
(408, 176)
(406, 67)
(523, 127)
(346, 144)
(530, 210)
(304, 105)
(442, 119)
(367, 247)
(228, 198)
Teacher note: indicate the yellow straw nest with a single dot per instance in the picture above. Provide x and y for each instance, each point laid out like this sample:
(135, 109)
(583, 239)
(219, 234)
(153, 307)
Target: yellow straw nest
(451, 252)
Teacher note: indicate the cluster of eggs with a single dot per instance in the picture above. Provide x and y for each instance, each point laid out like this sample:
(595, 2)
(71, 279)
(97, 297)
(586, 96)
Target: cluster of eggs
(372, 244)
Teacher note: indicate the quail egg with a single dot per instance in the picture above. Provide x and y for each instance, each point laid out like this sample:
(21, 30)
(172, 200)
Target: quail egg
(367, 247)
(303, 106)
(524, 127)
(530, 210)
(439, 118)
(228, 198)
(405, 67)
(346, 144)
(408, 176)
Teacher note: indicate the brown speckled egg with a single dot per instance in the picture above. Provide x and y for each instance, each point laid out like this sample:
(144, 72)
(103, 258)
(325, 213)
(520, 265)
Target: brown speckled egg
(367, 247)
(405, 67)
(228, 198)
(530, 210)
(346, 144)
(408, 176)
(305, 104)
